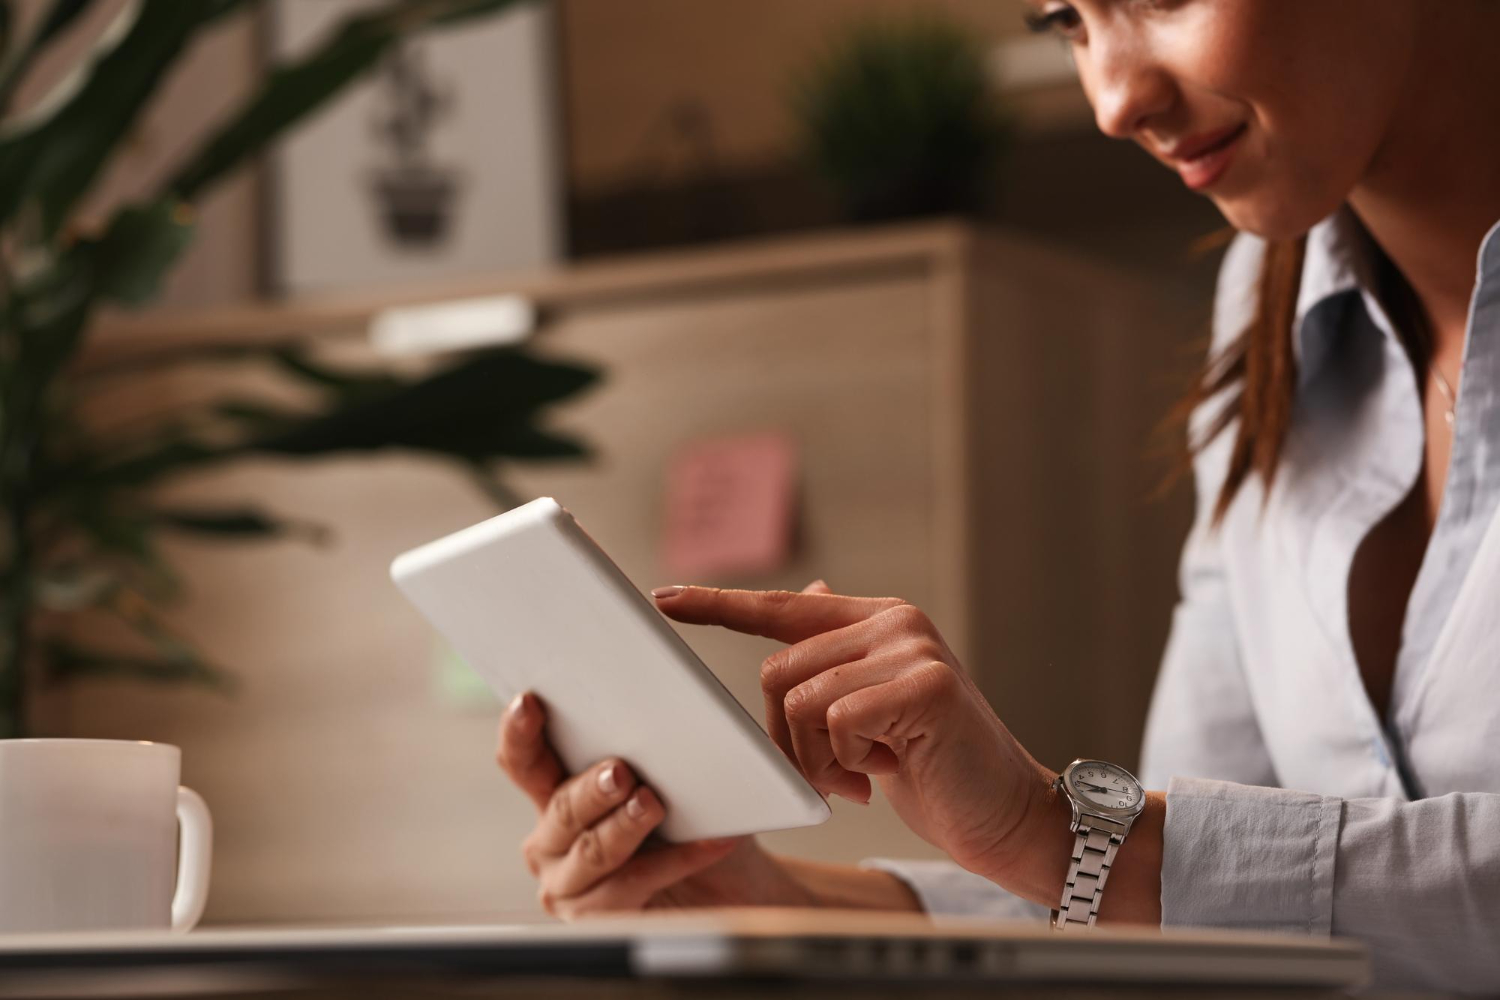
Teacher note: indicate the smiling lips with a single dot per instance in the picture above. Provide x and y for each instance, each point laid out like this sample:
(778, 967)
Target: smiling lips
(1202, 159)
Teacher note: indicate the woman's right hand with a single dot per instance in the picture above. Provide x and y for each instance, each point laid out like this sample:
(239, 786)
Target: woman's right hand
(587, 852)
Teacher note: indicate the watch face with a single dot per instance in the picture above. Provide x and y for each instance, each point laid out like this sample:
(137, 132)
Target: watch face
(1105, 785)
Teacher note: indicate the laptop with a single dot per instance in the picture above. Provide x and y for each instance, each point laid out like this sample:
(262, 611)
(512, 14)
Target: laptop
(766, 945)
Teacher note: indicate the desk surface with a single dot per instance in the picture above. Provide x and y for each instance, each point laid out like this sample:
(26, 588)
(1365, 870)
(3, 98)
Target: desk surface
(728, 953)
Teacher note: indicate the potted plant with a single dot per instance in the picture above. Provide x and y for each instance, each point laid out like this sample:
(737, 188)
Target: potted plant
(416, 195)
(80, 518)
(900, 118)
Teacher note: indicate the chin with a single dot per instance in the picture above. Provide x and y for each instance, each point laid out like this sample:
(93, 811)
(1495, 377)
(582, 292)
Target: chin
(1272, 217)
(1283, 205)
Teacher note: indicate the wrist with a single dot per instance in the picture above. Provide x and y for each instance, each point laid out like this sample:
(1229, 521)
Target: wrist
(1133, 894)
(1037, 868)
(1034, 857)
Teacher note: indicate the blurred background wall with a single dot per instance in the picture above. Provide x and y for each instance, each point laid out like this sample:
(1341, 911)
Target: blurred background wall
(672, 127)
(677, 128)
(971, 403)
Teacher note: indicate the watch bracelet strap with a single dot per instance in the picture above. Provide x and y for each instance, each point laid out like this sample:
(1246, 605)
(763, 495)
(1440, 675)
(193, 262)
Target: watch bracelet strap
(1093, 853)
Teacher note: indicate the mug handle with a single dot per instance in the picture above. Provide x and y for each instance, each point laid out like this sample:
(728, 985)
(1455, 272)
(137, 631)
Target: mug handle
(194, 855)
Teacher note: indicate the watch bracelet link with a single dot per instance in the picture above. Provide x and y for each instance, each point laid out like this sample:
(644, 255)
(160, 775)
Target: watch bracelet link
(1093, 853)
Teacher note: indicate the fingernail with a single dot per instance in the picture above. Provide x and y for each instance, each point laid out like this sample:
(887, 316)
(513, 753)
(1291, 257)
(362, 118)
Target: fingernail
(662, 592)
(517, 706)
(608, 783)
(635, 808)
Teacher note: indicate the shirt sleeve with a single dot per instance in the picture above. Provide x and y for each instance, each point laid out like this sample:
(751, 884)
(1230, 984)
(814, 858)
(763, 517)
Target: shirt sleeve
(1418, 882)
(946, 889)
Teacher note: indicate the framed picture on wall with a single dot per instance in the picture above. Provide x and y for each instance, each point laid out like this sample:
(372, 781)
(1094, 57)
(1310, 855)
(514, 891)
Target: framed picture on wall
(443, 162)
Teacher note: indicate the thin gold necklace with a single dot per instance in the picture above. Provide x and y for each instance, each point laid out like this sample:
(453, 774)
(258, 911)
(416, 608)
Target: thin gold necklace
(1449, 396)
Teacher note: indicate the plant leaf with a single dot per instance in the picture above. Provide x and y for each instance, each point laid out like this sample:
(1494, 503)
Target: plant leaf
(50, 155)
(117, 537)
(170, 453)
(478, 409)
(136, 251)
(138, 613)
(295, 360)
(58, 16)
(47, 315)
(7, 26)
(67, 661)
(238, 522)
(487, 478)
(75, 587)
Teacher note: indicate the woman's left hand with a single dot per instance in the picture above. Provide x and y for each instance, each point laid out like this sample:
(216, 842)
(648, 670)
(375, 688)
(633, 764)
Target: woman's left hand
(867, 687)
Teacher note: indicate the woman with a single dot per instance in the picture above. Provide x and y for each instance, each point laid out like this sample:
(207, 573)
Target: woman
(1325, 720)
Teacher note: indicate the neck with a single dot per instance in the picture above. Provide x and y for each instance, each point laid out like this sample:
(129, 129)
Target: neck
(1431, 193)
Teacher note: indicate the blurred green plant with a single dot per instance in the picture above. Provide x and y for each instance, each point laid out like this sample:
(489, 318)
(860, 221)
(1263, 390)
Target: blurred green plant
(900, 118)
(81, 525)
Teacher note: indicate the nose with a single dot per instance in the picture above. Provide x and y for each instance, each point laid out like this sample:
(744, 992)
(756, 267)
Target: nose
(1126, 85)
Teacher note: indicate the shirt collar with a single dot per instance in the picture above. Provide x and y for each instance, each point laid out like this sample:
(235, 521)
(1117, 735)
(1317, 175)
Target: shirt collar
(1489, 256)
(1340, 259)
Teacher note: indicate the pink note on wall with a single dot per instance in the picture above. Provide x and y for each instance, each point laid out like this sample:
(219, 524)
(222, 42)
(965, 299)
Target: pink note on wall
(731, 506)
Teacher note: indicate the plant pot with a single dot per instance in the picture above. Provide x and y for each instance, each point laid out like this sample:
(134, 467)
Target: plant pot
(416, 203)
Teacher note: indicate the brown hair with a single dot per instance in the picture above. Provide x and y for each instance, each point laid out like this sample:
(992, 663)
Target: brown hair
(1260, 370)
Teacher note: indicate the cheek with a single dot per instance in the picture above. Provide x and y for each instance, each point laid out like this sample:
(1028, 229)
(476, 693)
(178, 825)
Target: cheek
(1316, 121)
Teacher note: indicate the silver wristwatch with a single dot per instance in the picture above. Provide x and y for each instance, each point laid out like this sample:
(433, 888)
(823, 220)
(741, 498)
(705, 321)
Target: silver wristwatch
(1106, 799)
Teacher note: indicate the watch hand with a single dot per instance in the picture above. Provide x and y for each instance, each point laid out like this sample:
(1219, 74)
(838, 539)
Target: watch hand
(1100, 788)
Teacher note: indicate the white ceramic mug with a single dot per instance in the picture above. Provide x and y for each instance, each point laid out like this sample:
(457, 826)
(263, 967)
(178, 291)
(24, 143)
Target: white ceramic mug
(89, 837)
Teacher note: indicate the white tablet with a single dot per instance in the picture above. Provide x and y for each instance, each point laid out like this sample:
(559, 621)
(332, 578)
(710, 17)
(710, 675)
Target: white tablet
(533, 604)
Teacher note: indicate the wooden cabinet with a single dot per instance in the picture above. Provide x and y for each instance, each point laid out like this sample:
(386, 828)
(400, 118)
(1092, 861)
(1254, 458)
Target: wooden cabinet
(971, 413)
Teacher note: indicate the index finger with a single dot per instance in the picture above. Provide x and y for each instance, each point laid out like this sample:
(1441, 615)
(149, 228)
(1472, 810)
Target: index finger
(775, 614)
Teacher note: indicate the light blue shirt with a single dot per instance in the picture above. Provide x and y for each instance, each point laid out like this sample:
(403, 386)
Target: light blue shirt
(1291, 805)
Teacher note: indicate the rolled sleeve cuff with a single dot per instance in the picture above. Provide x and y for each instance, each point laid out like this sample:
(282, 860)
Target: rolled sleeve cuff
(1241, 856)
(945, 889)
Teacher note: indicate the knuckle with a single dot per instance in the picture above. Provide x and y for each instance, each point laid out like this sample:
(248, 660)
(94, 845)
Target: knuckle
(590, 848)
(531, 856)
(894, 617)
(912, 618)
(840, 716)
(799, 704)
(935, 677)
(561, 809)
(775, 600)
(774, 668)
(923, 647)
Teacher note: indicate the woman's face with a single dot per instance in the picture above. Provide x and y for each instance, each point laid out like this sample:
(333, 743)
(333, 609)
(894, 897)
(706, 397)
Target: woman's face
(1275, 109)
